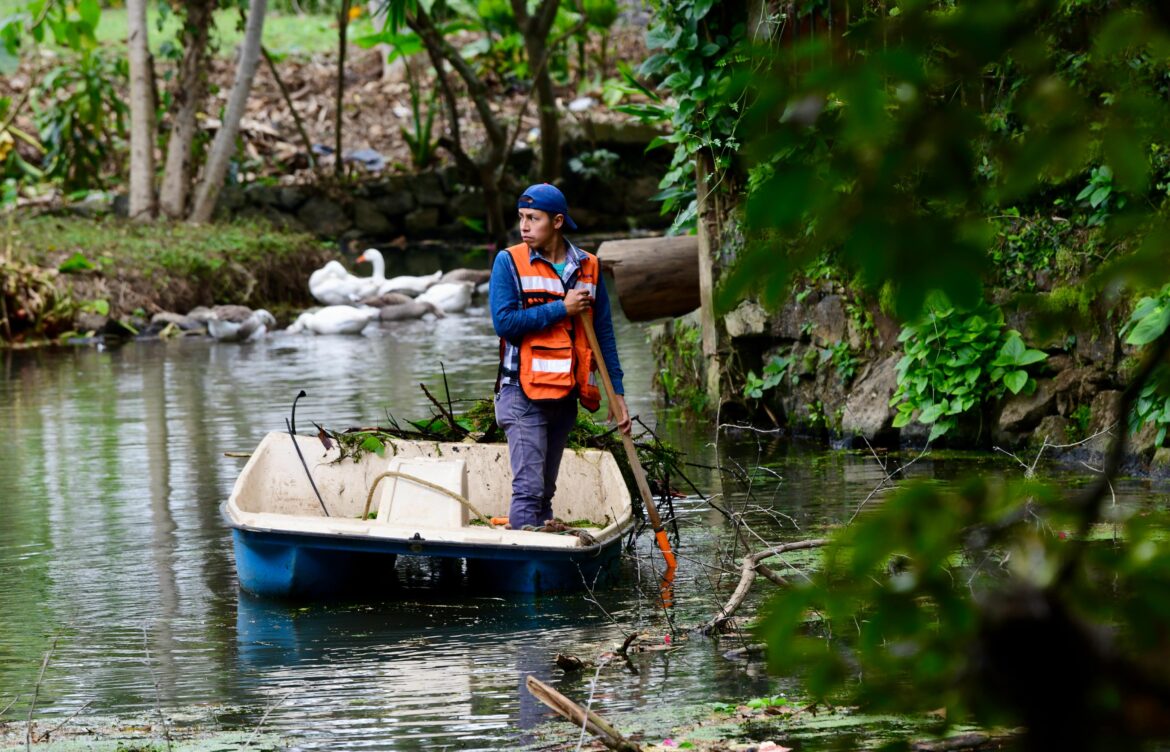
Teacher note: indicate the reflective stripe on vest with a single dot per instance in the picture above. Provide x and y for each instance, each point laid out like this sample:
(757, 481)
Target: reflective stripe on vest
(556, 362)
(546, 365)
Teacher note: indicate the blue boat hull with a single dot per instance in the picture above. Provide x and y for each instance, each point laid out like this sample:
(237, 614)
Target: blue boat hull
(301, 565)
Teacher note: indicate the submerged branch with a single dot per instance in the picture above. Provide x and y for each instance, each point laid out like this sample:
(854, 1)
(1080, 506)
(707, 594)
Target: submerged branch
(586, 719)
(750, 567)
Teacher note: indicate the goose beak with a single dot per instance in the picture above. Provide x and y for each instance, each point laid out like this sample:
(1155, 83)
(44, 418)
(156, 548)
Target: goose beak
(360, 259)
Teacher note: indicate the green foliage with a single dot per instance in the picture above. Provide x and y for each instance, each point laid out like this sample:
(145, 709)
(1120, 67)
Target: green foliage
(100, 306)
(956, 359)
(776, 701)
(996, 601)
(1147, 323)
(925, 616)
(598, 164)
(1079, 422)
(78, 262)
(694, 42)
(420, 137)
(1024, 250)
(241, 260)
(73, 27)
(600, 14)
(81, 117)
(844, 361)
(1101, 196)
(1149, 319)
(774, 373)
(908, 144)
(681, 372)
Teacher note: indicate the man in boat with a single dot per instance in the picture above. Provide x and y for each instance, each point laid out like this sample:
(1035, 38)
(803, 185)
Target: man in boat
(538, 291)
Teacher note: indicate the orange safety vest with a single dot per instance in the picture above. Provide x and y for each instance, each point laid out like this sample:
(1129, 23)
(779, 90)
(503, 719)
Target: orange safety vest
(556, 361)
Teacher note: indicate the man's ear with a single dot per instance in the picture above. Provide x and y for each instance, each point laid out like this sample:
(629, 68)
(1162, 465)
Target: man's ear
(558, 221)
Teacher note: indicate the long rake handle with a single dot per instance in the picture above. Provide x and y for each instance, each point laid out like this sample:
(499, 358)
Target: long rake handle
(631, 451)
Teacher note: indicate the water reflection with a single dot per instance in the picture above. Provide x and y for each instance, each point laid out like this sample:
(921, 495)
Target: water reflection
(111, 473)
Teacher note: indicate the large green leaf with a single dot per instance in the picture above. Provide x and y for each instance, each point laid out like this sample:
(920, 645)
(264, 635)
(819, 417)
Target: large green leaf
(90, 12)
(1151, 326)
(1015, 380)
(933, 412)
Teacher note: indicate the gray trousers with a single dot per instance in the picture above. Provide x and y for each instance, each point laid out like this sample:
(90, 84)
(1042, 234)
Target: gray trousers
(537, 433)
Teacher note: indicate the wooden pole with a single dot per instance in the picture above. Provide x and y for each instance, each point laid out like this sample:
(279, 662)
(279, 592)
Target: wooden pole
(631, 451)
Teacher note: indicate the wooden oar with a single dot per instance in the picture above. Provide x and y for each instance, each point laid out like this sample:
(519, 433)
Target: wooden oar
(631, 451)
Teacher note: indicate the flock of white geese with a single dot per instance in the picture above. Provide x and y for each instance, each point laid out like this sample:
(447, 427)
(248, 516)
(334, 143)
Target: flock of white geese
(350, 303)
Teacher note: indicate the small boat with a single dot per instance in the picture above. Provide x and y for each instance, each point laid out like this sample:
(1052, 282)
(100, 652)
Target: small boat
(419, 498)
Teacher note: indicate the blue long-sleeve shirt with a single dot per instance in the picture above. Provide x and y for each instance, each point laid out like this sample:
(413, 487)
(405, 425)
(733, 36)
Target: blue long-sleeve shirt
(512, 320)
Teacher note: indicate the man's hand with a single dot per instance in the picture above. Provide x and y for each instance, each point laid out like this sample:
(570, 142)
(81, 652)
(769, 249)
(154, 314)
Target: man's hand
(577, 301)
(620, 413)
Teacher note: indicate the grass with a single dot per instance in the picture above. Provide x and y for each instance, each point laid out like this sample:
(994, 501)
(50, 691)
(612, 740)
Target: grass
(120, 267)
(284, 33)
(171, 247)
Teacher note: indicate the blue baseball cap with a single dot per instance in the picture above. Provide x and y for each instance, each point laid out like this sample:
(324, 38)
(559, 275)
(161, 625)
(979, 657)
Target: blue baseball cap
(548, 198)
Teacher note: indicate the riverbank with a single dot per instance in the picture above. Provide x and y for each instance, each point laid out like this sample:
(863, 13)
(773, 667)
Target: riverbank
(67, 275)
(1037, 372)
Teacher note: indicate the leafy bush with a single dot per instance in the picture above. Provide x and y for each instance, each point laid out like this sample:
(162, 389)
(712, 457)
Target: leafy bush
(773, 374)
(1101, 196)
(599, 163)
(82, 117)
(694, 43)
(1148, 321)
(420, 137)
(956, 359)
(681, 373)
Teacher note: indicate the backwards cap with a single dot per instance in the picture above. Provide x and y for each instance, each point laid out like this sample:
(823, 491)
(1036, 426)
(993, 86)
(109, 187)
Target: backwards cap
(547, 198)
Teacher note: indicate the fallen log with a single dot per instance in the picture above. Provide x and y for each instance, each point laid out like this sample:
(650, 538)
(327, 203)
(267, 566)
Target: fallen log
(592, 722)
(654, 277)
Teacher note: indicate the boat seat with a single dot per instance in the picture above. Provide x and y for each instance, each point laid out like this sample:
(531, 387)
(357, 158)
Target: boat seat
(402, 502)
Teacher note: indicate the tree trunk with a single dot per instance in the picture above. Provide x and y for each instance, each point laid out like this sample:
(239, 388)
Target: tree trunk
(142, 125)
(497, 226)
(188, 94)
(536, 29)
(224, 145)
(708, 236)
(342, 31)
(487, 166)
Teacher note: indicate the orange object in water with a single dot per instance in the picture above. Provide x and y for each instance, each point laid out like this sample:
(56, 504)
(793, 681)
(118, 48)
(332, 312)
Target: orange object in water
(499, 520)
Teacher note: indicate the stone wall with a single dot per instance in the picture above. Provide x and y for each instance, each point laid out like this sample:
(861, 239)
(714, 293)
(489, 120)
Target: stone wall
(842, 357)
(617, 197)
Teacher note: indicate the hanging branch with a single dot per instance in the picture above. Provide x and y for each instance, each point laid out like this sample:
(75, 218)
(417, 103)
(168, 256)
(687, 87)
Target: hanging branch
(300, 124)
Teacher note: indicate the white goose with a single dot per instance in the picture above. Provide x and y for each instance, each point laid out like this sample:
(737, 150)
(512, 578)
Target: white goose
(450, 297)
(334, 319)
(379, 285)
(333, 285)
